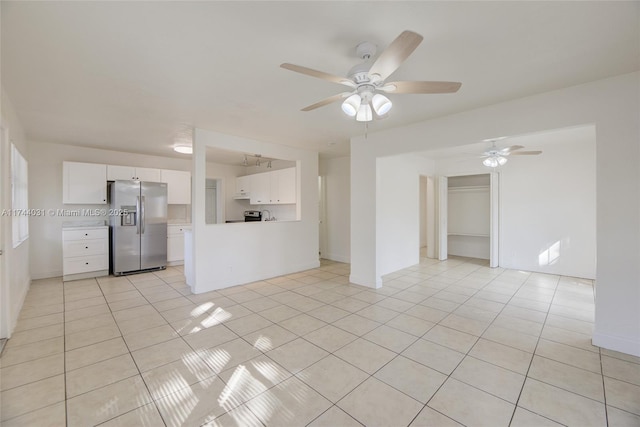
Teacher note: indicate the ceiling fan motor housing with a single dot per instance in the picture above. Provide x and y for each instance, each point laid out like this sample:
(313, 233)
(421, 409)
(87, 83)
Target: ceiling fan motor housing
(366, 50)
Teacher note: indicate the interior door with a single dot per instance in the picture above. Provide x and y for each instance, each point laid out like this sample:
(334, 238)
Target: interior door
(125, 247)
(153, 225)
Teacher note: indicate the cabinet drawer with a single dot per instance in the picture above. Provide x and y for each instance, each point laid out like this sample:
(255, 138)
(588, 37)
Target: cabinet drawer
(88, 234)
(85, 264)
(74, 248)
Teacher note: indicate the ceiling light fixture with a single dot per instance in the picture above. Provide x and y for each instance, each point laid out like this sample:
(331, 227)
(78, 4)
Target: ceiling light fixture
(183, 149)
(494, 161)
(360, 105)
(381, 104)
(364, 113)
(367, 79)
(351, 105)
(259, 160)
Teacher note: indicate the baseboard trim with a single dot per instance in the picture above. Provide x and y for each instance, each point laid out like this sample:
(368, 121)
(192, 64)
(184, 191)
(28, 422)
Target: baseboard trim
(363, 282)
(46, 275)
(616, 343)
(339, 258)
(250, 278)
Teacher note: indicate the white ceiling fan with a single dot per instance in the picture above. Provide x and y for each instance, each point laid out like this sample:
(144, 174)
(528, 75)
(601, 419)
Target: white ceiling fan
(495, 156)
(367, 80)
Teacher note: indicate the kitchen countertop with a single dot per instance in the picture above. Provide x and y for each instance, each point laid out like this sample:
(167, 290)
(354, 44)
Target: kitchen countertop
(74, 225)
(178, 222)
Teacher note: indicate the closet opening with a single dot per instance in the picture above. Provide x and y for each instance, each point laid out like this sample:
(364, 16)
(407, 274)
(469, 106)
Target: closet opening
(468, 223)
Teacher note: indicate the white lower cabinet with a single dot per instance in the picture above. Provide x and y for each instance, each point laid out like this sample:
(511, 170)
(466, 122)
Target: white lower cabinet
(175, 243)
(85, 252)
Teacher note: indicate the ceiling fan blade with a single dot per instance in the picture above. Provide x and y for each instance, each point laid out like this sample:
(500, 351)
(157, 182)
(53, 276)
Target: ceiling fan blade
(421, 87)
(327, 101)
(509, 150)
(395, 54)
(526, 153)
(318, 74)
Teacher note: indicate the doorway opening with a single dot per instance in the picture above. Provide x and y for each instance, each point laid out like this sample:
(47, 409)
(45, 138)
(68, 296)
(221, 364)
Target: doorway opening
(214, 204)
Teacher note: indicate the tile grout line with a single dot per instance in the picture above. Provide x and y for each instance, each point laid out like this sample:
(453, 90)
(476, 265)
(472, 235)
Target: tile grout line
(64, 350)
(131, 356)
(604, 388)
(533, 356)
(471, 348)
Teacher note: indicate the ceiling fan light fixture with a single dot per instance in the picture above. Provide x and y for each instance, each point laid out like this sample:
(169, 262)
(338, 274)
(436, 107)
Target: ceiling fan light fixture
(381, 104)
(365, 114)
(494, 161)
(490, 162)
(351, 105)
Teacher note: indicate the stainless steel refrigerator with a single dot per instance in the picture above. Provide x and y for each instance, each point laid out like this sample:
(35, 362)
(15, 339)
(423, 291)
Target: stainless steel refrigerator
(138, 217)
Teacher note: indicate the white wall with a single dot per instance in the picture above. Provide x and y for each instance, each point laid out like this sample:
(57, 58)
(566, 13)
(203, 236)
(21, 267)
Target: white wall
(613, 106)
(398, 211)
(15, 277)
(231, 254)
(544, 200)
(336, 173)
(548, 212)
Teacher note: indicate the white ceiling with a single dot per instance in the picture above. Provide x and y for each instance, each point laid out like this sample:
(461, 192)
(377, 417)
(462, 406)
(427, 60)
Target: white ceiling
(530, 142)
(138, 76)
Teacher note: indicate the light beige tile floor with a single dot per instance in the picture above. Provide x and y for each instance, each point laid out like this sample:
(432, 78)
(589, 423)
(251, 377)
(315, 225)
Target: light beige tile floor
(441, 343)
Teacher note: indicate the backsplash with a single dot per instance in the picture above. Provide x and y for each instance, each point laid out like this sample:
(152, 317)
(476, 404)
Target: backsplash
(179, 214)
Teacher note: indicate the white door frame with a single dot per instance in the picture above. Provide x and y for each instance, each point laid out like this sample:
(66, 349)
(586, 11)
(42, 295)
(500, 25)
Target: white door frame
(322, 216)
(441, 200)
(494, 230)
(5, 304)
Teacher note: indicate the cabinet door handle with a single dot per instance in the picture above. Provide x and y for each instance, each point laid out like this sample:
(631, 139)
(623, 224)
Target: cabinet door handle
(86, 234)
(86, 263)
(86, 247)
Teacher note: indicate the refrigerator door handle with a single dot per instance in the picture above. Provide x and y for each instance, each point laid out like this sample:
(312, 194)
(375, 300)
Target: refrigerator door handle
(142, 215)
(138, 214)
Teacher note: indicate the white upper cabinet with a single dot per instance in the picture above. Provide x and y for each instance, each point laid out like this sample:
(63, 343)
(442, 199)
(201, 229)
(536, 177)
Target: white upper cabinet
(115, 173)
(178, 186)
(274, 188)
(148, 174)
(128, 172)
(260, 189)
(84, 183)
(243, 187)
(283, 186)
